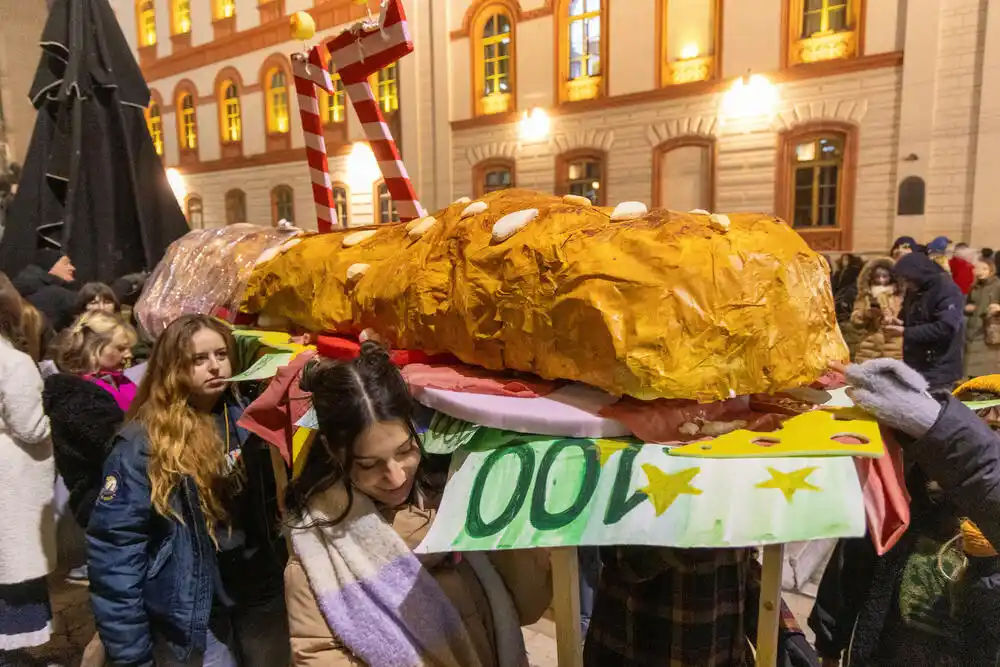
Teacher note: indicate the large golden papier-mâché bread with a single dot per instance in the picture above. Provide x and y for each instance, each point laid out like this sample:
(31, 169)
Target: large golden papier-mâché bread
(664, 305)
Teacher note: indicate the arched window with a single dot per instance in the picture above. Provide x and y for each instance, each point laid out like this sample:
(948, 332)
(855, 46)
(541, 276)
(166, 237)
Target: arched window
(230, 116)
(225, 9)
(385, 207)
(581, 173)
(684, 174)
(277, 101)
(282, 204)
(341, 201)
(816, 181)
(188, 121)
(181, 13)
(333, 107)
(492, 175)
(583, 46)
(154, 121)
(146, 17)
(193, 212)
(236, 207)
(822, 30)
(387, 88)
(493, 60)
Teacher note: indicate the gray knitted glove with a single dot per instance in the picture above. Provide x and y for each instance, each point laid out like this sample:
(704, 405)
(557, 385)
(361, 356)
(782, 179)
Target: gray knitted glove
(895, 394)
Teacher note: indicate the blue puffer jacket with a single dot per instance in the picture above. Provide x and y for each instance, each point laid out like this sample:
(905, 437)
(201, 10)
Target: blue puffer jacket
(934, 321)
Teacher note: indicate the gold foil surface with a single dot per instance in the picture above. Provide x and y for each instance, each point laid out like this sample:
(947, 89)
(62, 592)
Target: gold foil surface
(667, 305)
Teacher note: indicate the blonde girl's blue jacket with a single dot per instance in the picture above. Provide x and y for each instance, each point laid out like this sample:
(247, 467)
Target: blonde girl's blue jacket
(149, 575)
(153, 578)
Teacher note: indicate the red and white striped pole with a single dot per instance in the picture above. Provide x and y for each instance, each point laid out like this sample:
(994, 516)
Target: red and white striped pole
(357, 53)
(310, 74)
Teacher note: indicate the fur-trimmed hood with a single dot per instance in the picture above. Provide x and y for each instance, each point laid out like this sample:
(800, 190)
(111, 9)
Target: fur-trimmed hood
(864, 278)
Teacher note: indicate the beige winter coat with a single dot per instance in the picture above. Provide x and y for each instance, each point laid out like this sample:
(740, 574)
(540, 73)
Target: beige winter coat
(869, 322)
(527, 575)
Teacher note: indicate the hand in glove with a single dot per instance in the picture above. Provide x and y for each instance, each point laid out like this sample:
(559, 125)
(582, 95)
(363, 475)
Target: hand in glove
(895, 394)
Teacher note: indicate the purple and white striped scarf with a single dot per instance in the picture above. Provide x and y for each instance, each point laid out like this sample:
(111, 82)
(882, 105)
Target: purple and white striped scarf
(372, 590)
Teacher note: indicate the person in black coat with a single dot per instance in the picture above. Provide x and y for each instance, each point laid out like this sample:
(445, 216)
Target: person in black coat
(953, 461)
(47, 285)
(933, 317)
(84, 420)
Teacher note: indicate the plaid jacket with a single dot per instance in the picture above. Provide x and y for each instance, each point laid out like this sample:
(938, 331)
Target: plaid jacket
(661, 607)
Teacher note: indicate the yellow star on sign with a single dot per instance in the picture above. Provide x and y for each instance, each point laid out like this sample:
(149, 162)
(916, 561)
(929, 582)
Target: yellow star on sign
(664, 488)
(607, 448)
(789, 482)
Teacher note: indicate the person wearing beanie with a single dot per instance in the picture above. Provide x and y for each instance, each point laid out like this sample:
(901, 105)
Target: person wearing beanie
(904, 245)
(47, 285)
(937, 250)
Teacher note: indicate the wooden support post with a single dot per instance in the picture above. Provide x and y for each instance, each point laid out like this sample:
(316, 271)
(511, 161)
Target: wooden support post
(566, 606)
(770, 605)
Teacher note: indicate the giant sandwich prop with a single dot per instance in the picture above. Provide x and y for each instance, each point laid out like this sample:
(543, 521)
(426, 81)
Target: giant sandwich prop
(598, 375)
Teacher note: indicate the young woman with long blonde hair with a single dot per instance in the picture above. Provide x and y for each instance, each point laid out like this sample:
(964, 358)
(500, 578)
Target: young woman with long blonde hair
(184, 556)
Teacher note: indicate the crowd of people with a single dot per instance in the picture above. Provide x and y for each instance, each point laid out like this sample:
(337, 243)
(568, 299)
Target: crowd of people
(195, 558)
(935, 307)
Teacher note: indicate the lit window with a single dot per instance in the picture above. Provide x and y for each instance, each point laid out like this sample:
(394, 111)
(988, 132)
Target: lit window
(340, 203)
(584, 178)
(823, 30)
(182, 16)
(154, 121)
(386, 207)
(282, 204)
(193, 212)
(146, 13)
(189, 124)
(584, 38)
(231, 120)
(496, 55)
(236, 207)
(388, 88)
(225, 9)
(277, 101)
(821, 17)
(817, 171)
(334, 107)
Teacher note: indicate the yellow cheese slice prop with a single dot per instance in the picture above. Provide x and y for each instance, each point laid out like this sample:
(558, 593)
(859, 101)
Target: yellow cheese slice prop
(815, 433)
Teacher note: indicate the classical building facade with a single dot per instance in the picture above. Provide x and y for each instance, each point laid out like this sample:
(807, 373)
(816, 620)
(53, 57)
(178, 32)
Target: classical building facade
(855, 120)
(21, 25)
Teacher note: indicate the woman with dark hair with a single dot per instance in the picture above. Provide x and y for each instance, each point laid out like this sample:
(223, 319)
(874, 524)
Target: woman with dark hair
(27, 472)
(362, 502)
(96, 296)
(185, 563)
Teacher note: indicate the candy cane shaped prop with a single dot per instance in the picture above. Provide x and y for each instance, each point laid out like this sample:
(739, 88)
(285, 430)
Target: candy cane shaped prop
(310, 74)
(357, 53)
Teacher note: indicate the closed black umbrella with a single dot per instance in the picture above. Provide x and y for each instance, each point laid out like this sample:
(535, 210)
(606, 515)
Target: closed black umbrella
(92, 184)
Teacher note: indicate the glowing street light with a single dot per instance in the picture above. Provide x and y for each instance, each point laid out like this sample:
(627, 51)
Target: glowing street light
(535, 126)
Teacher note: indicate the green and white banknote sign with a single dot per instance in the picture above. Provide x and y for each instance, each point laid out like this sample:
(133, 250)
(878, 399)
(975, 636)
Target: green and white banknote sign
(544, 492)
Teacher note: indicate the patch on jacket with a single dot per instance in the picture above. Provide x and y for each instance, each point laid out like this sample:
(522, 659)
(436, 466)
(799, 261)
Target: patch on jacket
(110, 488)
